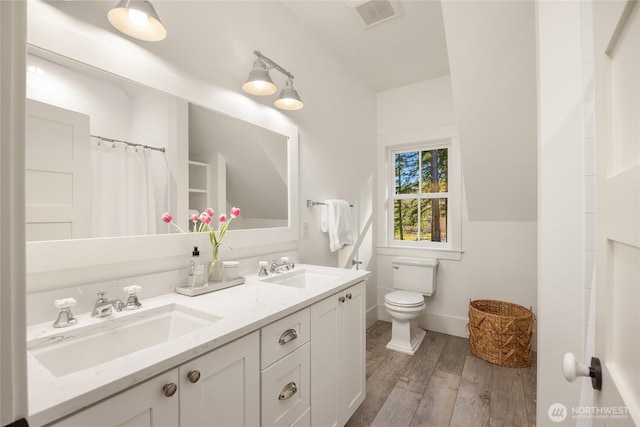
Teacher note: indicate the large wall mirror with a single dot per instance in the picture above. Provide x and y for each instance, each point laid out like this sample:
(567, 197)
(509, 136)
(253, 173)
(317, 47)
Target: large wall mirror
(221, 150)
(80, 164)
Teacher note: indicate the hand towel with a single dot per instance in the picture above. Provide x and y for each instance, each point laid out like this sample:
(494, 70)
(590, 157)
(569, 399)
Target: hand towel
(336, 220)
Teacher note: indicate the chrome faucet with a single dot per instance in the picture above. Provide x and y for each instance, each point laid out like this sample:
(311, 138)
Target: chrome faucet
(103, 307)
(284, 265)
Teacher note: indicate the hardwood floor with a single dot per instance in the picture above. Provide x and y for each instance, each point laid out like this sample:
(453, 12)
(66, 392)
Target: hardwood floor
(443, 384)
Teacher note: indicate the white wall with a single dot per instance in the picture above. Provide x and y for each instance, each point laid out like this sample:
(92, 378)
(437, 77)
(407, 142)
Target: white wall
(499, 257)
(491, 46)
(561, 247)
(13, 364)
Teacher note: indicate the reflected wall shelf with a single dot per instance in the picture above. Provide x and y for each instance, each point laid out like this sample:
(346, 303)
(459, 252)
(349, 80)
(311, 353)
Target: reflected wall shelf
(198, 186)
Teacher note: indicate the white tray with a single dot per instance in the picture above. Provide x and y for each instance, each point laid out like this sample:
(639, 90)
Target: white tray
(210, 287)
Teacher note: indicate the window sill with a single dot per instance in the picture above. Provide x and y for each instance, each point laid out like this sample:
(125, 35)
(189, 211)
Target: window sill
(443, 254)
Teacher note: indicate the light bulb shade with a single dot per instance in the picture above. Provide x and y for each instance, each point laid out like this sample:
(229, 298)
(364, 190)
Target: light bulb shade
(137, 19)
(259, 82)
(289, 98)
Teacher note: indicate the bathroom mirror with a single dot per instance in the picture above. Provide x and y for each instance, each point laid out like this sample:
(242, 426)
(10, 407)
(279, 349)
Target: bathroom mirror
(231, 162)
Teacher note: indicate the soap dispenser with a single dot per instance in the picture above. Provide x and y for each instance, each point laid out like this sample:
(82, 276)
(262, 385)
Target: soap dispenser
(197, 276)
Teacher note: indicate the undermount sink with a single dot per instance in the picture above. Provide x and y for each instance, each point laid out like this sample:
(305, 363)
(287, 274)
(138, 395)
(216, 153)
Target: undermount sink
(83, 348)
(303, 278)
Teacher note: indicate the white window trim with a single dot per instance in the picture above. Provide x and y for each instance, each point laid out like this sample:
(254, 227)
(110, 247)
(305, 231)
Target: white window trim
(454, 225)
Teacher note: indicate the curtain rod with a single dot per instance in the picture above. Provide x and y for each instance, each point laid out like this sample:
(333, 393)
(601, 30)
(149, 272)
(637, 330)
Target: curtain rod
(131, 144)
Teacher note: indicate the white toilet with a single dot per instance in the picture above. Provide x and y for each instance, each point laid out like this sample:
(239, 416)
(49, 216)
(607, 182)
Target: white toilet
(413, 279)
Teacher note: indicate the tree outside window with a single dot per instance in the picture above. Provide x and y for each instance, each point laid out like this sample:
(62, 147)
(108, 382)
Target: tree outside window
(420, 198)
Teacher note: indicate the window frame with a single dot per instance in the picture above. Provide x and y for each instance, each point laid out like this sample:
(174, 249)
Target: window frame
(452, 195)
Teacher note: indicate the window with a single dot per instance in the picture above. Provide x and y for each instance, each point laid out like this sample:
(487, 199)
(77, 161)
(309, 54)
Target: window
(420, 197)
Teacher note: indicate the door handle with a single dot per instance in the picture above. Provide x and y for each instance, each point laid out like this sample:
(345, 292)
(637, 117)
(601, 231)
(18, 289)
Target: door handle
(572, 369)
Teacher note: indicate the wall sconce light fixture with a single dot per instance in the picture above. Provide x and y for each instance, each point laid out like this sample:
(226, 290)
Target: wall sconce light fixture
(259, 83)
(137, 19)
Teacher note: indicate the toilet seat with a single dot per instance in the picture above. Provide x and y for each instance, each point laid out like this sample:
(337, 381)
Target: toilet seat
(404, 299)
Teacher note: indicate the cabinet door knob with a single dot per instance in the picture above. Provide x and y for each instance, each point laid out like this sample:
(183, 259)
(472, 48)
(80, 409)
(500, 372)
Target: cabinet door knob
(349, 296)
(288, 335)
(193, 376)
(170, 389)
(288, 391)
(341, 299)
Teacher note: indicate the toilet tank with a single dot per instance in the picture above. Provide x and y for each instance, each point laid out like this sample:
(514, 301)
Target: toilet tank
(415, 274)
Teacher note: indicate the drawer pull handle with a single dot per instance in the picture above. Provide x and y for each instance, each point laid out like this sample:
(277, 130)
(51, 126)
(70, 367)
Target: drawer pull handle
(170, 389)
(341, 299)
(194, 376)
(288, 391)
(349, 296)
(288, 335)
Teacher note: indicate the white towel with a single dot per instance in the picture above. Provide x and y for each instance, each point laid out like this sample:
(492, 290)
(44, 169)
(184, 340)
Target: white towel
(336, 220)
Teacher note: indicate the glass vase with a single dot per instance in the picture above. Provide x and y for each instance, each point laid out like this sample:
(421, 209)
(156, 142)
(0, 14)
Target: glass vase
(216, 271)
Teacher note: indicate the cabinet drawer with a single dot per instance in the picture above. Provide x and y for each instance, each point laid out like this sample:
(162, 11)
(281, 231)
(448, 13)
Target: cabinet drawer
(286, 389)
(283, 336)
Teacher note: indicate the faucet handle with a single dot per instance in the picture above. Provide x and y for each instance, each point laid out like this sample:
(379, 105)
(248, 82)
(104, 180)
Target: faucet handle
(133, 289)
(65, 317)
(132, 301)
(65, 303)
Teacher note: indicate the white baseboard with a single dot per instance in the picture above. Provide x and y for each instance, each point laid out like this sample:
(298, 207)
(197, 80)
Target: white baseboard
(372, 315)
(450, 325)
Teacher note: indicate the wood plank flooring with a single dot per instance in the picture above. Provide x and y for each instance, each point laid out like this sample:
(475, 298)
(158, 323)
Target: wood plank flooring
(442, 385)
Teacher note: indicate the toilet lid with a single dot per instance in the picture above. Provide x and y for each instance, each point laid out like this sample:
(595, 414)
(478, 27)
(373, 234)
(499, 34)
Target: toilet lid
(404, 298)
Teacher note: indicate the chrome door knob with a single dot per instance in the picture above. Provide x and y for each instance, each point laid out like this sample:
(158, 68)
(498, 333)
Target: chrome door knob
(341, 299)
(349, 296)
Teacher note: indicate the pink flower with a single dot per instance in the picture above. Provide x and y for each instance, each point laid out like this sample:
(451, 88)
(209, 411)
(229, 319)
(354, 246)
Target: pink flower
(167, 217)
(235, 212)
(194, 218)
(204, 217)
(209, 212)
(222, 218)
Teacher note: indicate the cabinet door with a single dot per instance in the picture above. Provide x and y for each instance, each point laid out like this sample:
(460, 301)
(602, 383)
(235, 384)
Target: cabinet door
(144, 405)
(227, 392)
(352, 356)
(326, 318)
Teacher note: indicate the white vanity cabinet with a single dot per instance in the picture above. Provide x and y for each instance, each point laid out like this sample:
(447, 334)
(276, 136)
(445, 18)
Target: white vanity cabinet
(220, 388)
(338, 358)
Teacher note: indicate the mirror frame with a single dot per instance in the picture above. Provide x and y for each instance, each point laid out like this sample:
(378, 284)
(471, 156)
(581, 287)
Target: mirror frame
(59, 264)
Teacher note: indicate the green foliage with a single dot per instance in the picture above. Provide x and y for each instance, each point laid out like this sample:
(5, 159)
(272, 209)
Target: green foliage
(419, 173)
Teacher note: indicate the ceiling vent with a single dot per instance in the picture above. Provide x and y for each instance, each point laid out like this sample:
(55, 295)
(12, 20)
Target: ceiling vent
(376, 11)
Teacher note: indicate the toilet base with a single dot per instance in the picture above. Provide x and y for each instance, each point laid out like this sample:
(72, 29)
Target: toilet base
(406, 337)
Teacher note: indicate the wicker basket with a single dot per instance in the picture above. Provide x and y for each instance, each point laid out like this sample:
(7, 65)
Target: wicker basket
(500, 332)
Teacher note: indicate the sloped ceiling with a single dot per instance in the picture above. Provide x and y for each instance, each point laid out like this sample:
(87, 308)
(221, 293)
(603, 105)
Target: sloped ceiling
(492, 56)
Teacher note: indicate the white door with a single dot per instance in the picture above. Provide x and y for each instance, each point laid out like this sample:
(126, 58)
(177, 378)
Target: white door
(617, 85)
(57, 180)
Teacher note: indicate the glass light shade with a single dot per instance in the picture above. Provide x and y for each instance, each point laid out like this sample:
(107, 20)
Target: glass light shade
(289, 98)
(259, 82)
(137, 19)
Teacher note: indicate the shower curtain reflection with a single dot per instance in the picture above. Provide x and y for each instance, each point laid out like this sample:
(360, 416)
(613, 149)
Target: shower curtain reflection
(128, 189)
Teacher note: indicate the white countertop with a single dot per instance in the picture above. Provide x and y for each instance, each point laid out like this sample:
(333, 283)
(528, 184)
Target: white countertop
(242, 309)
